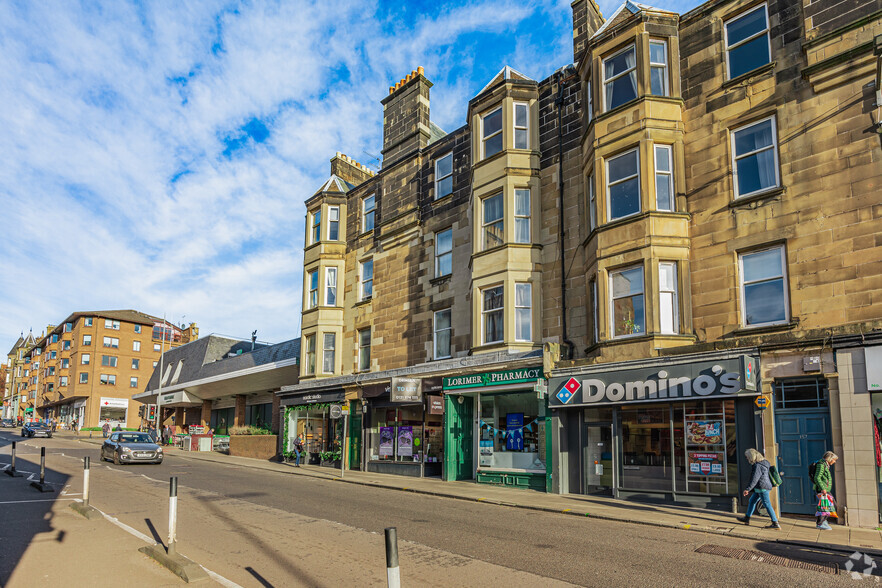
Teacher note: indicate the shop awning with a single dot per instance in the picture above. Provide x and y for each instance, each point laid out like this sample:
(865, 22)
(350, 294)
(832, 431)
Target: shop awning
(178, 399)
(66, 400)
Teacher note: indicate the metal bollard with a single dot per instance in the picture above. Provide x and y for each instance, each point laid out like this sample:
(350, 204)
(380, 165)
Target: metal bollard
(393, 575)
(42, 465)
(86, 481)
(172, 514)
(13, 458)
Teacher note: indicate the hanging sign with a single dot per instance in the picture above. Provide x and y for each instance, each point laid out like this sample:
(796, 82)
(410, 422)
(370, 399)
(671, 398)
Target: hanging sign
(436, 404)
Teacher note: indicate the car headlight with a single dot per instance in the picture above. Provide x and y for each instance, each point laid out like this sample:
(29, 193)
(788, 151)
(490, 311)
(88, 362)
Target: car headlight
(126, 449)
(159, 450)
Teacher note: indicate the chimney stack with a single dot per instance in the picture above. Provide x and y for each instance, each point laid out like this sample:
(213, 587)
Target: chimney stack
(349, 170)
(406, 117)
(586, 20)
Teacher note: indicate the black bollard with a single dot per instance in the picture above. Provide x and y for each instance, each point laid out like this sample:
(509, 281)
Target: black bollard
(172, 515)
(393, 574)
(10, 471)
(86, 481)
(42, 465)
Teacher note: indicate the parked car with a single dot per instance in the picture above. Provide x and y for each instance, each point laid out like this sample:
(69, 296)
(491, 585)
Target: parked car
(131, 447)
(7, 424)
(36, 430)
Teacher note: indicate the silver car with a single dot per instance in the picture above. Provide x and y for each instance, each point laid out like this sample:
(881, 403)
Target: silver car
(125, 447)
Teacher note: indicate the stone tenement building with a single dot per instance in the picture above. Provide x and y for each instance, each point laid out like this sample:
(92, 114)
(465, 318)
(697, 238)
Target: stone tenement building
(88, 367)
(687, 220)
(15, 401)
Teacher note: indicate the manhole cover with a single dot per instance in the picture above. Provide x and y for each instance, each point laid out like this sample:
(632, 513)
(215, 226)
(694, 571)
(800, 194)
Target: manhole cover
(777, 560)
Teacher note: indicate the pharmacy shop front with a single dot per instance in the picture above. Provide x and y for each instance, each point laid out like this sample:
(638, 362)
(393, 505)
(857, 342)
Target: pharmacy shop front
(495, 428)
(657, 430)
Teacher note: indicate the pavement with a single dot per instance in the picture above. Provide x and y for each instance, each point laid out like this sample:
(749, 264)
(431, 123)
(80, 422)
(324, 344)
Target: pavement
(802, 532)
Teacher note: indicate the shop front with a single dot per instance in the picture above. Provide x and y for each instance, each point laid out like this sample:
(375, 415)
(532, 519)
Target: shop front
(309, 415)
(403, 427)
(660, 432)
(495, 428)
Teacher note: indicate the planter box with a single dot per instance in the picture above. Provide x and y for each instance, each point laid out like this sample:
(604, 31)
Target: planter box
(255, 446)
(314, 459)
(331, 464)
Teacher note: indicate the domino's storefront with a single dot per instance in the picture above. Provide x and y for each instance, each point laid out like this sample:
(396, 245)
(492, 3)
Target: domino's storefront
(665, 430)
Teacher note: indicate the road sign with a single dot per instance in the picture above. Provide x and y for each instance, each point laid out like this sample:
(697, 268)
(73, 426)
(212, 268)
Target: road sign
(762, 401)
(345, 409)
(336, 411)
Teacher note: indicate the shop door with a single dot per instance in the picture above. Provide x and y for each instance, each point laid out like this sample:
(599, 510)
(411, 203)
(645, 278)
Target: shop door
(459, 450)
(597, 459)
(802, 426)
(355, 441)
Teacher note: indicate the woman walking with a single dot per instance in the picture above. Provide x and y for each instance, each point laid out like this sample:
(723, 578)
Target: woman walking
(759, 487)
(823, 483)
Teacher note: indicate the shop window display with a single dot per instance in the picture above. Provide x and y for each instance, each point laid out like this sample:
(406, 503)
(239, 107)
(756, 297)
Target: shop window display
(512, 432)
(396, 434)
(322, 434)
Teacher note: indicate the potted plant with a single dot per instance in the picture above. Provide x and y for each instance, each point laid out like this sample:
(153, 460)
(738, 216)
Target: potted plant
(330, 459)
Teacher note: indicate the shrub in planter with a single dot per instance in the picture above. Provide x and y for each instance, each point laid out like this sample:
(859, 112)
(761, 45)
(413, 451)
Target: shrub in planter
(330, 458)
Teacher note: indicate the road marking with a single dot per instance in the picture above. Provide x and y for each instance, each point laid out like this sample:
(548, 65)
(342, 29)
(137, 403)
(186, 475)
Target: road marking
(214, 576)
(44, 500)
(566, 510)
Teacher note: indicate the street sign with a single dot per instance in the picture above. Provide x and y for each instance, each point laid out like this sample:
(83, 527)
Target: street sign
(762, 402)
(345, 409)
(336, 411)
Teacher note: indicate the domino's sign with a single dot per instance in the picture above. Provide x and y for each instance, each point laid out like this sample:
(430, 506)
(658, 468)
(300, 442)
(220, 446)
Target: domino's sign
(663, 383)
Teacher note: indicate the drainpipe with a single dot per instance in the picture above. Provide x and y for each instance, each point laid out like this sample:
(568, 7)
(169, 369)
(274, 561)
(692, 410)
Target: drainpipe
(559, 102)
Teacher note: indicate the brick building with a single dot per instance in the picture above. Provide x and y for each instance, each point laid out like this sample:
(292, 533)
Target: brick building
(89, 366)
(686, 219)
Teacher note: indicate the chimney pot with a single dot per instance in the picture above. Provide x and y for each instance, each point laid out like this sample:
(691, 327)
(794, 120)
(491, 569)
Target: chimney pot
(420, 70)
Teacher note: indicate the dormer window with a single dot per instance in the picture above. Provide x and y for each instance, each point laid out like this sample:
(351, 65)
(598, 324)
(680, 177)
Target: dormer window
(491, 133)
(747, 42)
(620, 78)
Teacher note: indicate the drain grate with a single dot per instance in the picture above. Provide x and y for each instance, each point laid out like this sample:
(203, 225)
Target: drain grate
(777, 560)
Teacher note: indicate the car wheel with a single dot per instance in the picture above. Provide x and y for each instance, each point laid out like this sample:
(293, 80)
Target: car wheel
(49, 436)
(116, 458)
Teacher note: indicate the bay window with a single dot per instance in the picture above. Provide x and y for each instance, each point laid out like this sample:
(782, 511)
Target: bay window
(329, 352)
(521, 125)
(491, 133)
(312, 295)
(658, 68)
(492, 314)
(331, 286)
(522, 217)
(669, 312)
(493, 224)
(664, 178)
(623, 185)
(627, 313)
(620, 78)
(523, 312)
(310, 354)
(333, 223)
(592, 204)
(316, 226)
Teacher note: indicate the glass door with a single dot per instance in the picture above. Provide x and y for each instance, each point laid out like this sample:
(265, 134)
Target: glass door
(597, 458)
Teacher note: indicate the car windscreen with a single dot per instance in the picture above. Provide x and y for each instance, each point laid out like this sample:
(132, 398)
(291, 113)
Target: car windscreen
(135, 438)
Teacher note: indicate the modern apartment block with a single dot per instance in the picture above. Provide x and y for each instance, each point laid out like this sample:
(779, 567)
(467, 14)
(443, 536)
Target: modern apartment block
(678, 235)
(88, 367)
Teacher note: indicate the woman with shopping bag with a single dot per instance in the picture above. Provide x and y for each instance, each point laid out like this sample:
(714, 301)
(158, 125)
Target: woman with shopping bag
(823, 483)
(759, 488)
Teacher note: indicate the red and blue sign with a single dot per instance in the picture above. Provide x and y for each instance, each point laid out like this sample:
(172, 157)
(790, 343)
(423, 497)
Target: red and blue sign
(569, 390)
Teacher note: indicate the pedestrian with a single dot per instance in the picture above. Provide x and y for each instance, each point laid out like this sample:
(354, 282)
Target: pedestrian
(54, 424)
(118, 427)
(822, 480)
(166, 434)
(151, 430)
(76, 429)
(298, 449)
(105, 429)
(759, 487)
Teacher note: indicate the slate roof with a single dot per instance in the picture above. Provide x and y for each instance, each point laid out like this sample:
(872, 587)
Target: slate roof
(625, 11)
(23, 341)
(211, 356)
(506, 73)
(335, 184)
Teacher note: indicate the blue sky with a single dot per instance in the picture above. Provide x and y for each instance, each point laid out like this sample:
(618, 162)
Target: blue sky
(156, 156)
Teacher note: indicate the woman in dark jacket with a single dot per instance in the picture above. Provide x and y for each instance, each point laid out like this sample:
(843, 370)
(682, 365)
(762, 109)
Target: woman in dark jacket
(760, 485)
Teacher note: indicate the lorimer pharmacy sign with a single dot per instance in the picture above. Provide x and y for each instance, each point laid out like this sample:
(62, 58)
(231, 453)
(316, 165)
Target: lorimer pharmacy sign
(686, 381)
(493, 378)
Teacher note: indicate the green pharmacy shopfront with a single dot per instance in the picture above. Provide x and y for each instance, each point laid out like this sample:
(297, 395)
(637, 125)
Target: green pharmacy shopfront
(495, 428)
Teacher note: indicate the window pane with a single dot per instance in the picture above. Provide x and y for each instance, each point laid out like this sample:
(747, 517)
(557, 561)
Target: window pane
(368, 270)
(444, 242)
(662, 159)
(657, 53)
(753, 138)
(493, 145)
(369, 203)
(442, 320)
(493, 298)
(334, 231)
(445, 187)
(522, 202)
(666, 276)
(493, 123)
(522, 230)
(620, 63)
(523, 295)
(657, 80)
(627, 282)
(749, 56)
(664, 200)
(622, 166)
(522, 324)
(624, 198)
(493, 327)
(445, 264)
(520, 138)
(444, 166)
(621, 90)
(764, 302)
(756, 172)
(520, 115)
(628, 315)
(746, 26)
(442, 344)
(369, 221)
(762, 265)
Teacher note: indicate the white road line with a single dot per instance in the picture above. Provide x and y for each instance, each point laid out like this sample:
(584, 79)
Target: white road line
(214, 576)
(43, 500)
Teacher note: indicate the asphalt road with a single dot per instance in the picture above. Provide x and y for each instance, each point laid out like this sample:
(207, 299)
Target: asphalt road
(235, 516)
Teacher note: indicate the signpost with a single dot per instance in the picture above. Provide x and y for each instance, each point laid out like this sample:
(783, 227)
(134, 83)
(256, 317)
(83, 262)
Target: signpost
(337, 412)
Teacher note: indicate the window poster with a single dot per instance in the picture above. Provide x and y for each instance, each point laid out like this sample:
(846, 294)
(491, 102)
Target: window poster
(387, 439)
(405, 441)
(705, 464)
(486, 457)
(514, 428)
(705, 433)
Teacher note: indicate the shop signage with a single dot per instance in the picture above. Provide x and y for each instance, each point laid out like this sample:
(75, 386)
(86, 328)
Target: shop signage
(436, 404)
(705, 464)
(170, 399)
(493, 378)
(707, 379)
(406, 390)
(114, 402)
(873, 361)
(323, 397)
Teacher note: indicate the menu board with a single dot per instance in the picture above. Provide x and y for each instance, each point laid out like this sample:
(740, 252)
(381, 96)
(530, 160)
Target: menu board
(704, 433)
(706, 463)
